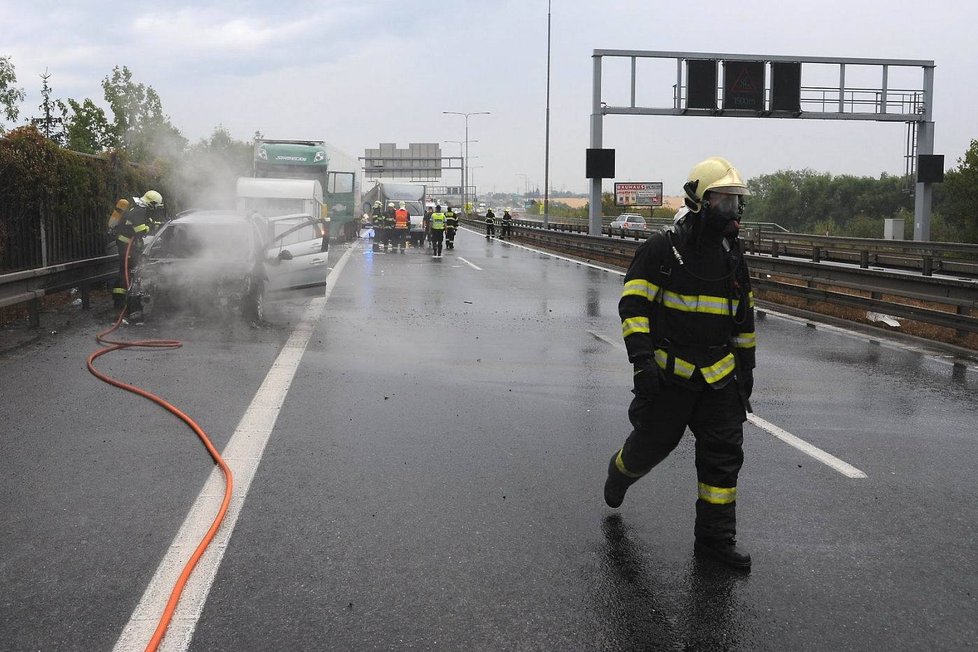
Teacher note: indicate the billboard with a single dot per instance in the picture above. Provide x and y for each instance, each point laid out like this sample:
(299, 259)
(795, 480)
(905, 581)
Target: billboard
(642, 193)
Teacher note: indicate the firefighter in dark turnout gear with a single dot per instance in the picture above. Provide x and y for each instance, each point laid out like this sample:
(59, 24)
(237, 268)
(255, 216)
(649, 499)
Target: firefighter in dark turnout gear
(389, 219)
(130, 222)
(377, 219)
(687, 314)
(507, 225)
(451, 226)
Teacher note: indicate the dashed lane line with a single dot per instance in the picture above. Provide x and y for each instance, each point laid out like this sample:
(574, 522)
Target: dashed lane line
(473, 266)
(844, 468)
(828, 459)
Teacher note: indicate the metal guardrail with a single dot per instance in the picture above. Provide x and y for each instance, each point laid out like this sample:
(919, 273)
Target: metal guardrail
(824, 267)
(29, 286)
(834, 274)
(925, 257)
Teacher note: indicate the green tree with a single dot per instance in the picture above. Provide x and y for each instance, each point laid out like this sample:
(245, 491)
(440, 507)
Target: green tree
(87, 128)
(10, 95)
(139, 125)
(957, 198)
(53, 114)
(806, 201)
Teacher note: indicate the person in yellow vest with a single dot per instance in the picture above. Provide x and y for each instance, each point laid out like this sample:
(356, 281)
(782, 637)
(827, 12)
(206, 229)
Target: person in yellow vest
(129, 223)
(402, 222)
(437, 230)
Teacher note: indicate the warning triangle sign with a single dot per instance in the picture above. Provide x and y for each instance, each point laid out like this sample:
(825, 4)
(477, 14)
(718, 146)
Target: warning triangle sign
(744, 83)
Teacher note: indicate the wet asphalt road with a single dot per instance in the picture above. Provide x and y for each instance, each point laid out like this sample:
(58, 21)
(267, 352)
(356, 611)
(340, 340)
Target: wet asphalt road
(434, 480)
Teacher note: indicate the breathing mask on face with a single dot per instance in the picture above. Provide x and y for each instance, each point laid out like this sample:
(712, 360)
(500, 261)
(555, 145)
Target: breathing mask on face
(722, 211)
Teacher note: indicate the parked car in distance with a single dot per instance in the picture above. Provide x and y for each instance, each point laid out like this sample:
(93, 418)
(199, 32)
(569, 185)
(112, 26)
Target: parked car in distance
(630, 221)
(208, 261)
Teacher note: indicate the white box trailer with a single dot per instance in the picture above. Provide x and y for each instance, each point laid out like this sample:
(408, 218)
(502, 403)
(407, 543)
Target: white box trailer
(271, 197)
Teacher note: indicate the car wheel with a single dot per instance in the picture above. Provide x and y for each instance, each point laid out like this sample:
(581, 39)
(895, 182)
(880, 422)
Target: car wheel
(253, 308)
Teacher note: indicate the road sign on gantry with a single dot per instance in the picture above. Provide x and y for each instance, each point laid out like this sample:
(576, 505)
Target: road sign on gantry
(643, 193)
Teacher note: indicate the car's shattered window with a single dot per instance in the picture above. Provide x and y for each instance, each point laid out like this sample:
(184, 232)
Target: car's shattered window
(202, 241)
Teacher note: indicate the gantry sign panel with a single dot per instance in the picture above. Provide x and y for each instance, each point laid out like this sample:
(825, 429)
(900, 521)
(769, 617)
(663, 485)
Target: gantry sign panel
(774, 86)
(754, 85)
(419, 162)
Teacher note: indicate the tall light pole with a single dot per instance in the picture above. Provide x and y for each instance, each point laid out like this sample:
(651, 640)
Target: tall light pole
(461, 155)
(465, 170)
(546, 162)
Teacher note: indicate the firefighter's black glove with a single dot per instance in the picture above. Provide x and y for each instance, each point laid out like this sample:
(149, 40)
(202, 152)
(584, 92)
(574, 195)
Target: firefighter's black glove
(646, 378)
(746, 379)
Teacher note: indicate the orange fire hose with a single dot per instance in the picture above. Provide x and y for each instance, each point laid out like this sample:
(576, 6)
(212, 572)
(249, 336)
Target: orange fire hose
(116, 345)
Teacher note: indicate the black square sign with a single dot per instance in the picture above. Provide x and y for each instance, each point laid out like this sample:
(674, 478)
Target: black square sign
(743, 85)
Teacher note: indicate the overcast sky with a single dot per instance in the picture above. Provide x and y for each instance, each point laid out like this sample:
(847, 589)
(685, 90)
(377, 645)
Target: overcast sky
(357, 73)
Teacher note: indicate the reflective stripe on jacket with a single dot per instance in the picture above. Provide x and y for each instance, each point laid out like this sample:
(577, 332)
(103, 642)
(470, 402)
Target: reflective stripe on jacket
(689, 317)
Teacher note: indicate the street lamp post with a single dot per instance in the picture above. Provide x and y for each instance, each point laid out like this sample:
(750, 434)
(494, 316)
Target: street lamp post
(465, 163)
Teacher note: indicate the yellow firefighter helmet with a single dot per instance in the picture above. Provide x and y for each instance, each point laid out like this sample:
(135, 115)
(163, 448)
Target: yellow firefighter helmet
(152, 198)
(715, 173)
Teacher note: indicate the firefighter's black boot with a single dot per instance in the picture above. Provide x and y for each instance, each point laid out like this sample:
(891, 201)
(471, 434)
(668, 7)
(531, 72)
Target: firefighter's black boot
(723, 550)
(616, 484)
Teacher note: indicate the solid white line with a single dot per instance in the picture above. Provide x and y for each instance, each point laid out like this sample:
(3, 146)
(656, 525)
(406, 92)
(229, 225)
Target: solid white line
(782, 434)
(844, 468)
(599, 336)
(785, 436)
(469, 264)
(553, 255)
(243, 454)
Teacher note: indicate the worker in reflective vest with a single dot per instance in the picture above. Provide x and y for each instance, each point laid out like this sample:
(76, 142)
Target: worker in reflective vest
(437, 230)
(451, 226)
(687, 315)
(130, 222)
(401, 225)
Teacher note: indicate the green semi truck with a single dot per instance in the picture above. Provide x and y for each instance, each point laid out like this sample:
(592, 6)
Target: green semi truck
(337, 173)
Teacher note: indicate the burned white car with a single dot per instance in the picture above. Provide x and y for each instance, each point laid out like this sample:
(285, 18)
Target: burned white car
(207, 261)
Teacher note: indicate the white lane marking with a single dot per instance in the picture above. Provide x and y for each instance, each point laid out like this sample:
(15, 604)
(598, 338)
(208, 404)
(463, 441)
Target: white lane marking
(243, 454)
(785, 436)
(844, 468)
(468, 263)
(553, 255)
(604, 339)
